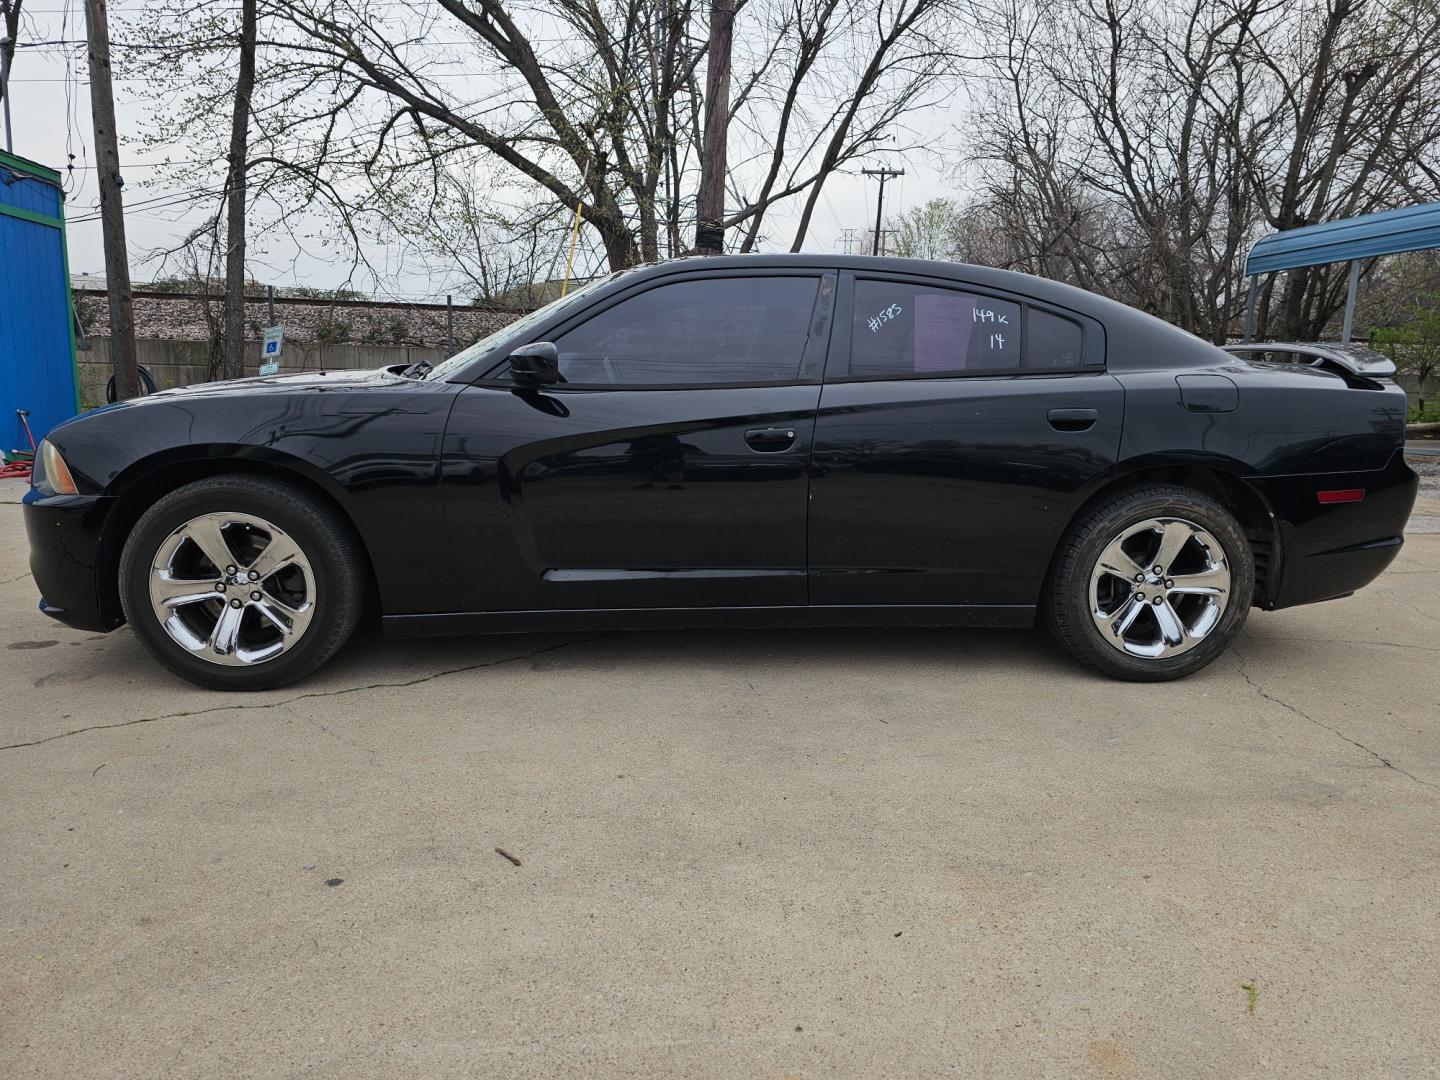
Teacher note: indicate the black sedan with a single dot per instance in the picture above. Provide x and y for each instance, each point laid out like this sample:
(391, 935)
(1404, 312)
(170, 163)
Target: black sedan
(749, 441)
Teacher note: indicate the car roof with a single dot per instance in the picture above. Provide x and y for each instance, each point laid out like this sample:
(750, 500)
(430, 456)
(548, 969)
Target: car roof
(1009, 280)
(1135, 338)
(1028, 285)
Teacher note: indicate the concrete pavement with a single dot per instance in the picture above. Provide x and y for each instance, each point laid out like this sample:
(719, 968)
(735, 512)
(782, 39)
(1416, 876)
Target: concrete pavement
(741, 854)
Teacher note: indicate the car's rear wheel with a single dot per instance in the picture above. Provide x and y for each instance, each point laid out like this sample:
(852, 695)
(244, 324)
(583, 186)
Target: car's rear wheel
(238, 583)
(1152, 584)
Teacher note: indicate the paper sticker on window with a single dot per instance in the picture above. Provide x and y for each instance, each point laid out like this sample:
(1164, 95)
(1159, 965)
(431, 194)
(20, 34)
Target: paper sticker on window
(942, 330)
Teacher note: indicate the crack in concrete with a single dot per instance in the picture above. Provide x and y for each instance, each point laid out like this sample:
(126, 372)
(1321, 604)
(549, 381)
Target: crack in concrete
(1382, 877)
(316, 724)
(1349, 641)
(430, 677)
(1421, 612)
(12, 581)
(1380, 760)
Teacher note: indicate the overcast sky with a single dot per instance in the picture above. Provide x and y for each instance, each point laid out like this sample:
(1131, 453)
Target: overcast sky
(50, 112)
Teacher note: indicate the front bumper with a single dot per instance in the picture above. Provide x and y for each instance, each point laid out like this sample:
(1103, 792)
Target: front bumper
(1329, 551)
(65, 559)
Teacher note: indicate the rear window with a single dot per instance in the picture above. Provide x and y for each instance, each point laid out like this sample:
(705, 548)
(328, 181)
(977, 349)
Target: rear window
(900, 329)
(1052, 341)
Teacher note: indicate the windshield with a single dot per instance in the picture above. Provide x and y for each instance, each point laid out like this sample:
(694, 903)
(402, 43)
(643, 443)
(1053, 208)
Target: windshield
(491, 343)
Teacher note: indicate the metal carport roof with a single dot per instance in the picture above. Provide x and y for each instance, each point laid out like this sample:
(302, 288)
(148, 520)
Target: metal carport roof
(1411, 228)
(1390, 232)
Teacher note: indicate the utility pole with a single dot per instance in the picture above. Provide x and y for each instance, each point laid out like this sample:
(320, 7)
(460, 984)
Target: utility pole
(9, 34)
(847, 240)
(112, 210)
(7, 49)
(710, 201)
(883, 174)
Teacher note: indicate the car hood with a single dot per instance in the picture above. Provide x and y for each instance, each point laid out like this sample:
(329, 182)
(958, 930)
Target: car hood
(298, 380)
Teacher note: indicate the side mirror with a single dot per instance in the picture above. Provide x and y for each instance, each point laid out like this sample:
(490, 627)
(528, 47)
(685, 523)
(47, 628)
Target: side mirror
(536, 364)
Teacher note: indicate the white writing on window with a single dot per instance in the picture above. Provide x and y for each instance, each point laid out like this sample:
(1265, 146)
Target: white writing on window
(988, 315)
(877, 321)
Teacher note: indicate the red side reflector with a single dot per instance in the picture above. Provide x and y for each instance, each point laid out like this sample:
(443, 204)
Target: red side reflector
(1341, 495)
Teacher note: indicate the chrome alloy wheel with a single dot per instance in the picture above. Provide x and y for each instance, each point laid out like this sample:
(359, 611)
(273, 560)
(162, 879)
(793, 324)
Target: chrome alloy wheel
(1159, 588)
(233, 589)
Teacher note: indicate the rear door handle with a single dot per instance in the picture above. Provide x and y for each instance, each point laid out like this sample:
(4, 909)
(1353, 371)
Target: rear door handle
(1072, 419)
(770, 440)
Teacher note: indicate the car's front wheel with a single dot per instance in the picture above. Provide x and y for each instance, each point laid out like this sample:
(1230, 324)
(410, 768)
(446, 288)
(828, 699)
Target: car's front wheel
(239, 583)
(1152, 584)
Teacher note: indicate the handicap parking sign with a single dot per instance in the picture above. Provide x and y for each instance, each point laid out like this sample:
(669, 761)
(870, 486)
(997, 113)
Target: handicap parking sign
(274, 342)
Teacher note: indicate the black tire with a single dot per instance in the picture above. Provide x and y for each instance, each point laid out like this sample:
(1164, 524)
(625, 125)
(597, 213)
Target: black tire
(147, 384)
(325, 539)
(1067, 607)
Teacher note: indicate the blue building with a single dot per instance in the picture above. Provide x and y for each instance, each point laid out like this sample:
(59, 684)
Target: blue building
(37, 330)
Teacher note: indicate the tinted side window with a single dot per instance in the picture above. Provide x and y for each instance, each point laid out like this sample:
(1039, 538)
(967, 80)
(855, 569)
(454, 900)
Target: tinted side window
(722, 330)
(1052, 341)
(905, 329)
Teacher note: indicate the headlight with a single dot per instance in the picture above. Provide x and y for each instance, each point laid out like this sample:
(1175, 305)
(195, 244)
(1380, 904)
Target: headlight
(52, 472)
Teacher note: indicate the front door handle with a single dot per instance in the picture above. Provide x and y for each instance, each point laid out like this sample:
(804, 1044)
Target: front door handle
(1072, 419)
(770, 440)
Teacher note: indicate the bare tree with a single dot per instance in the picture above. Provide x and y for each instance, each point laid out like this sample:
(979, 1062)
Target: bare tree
(199, 71)
(1137, 148)
(908, 51)
(594, 103)
(714, 146)
(1360, 122)
(467, 241)
(233, 353)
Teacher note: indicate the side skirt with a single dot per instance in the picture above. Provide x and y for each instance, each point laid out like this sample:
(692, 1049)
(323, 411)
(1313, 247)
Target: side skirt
(457, 623)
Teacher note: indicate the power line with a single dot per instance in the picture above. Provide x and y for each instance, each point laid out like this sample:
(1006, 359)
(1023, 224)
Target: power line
(416, 7)
(158, 202)
(419, 76)
(154, 164)
(67, 43)
(72, 122)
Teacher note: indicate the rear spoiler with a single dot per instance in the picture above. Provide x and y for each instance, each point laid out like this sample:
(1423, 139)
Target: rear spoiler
(1350, 359)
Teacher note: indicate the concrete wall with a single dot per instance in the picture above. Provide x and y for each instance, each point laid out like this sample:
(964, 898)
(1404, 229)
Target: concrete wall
(188, 317)
(181, 363)
(1430, 391)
